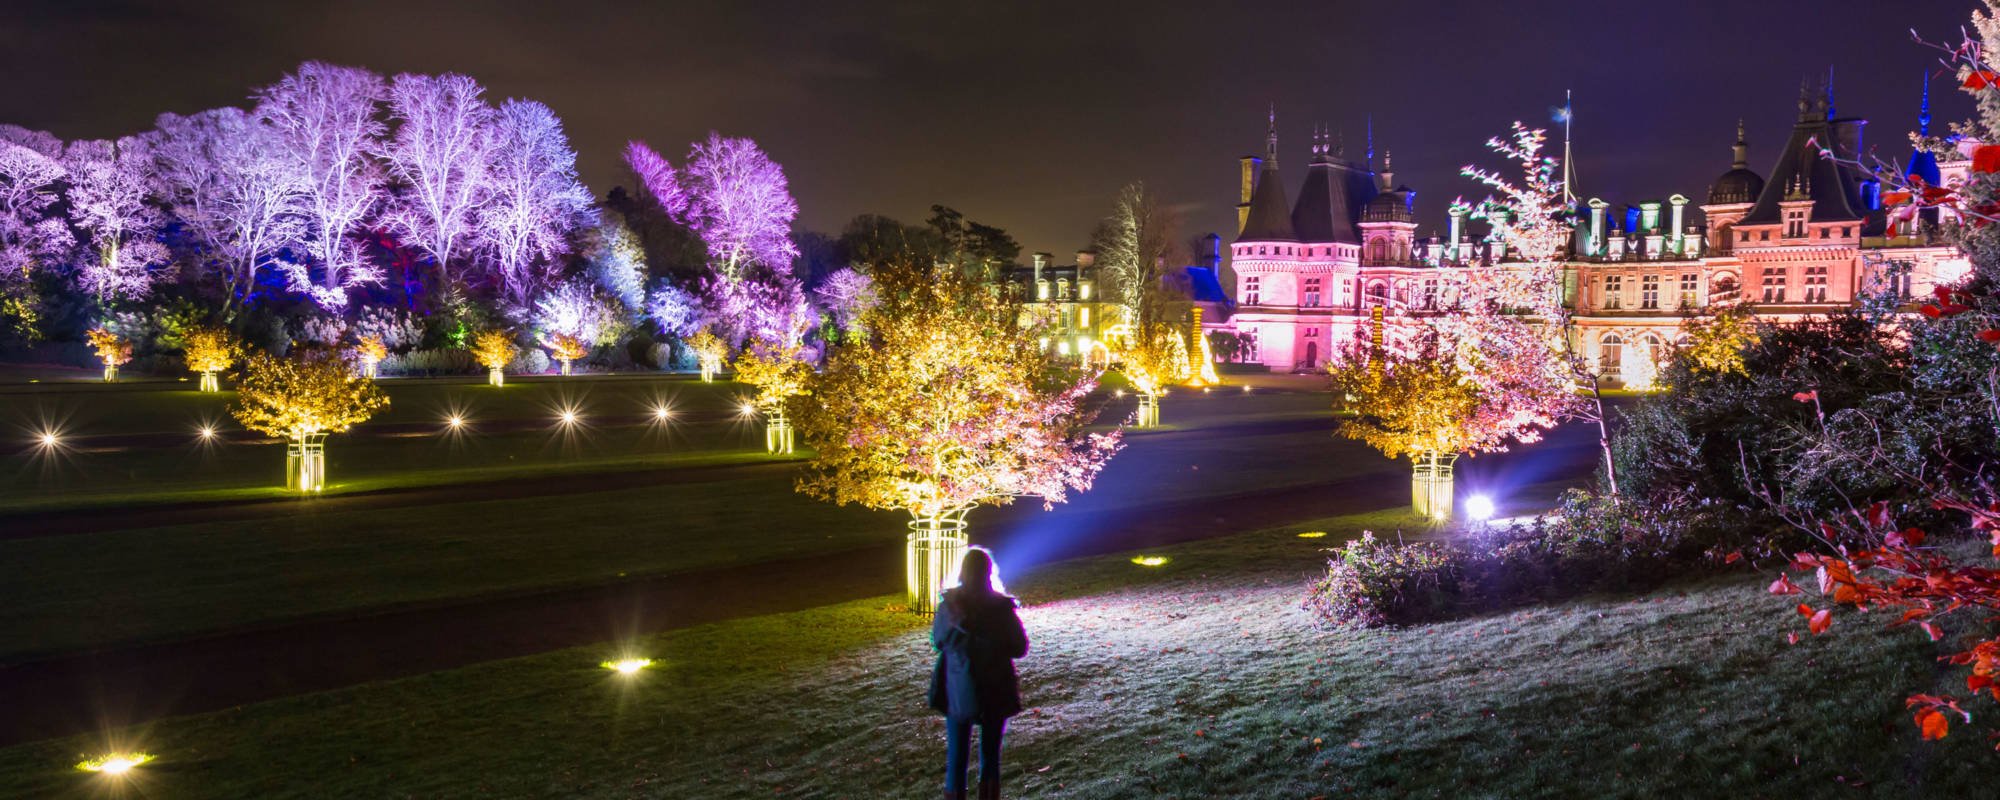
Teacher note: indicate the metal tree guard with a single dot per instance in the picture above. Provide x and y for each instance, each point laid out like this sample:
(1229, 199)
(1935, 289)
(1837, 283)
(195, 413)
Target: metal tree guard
(1149, 411)
(777, 432)
(495, 376)
(1430, 484)
(305, 463)
(935, 545)
(110, 373)
(209, 382)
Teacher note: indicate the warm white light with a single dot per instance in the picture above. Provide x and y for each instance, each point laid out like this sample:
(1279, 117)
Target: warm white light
(1313, 535)
(50, 440)
(207, 432)
(1119, 393)
(628, 666)
(1479, 507)
(1246, 390)
(115, 763)
(569, 417)
(1149, 561)
(661, 413)
(454, 420)
(749, 409)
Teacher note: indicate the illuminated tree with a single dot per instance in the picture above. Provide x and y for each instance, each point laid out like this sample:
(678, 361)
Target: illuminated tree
(739, 203)
(710, 350)
(762, 305)
(1134, 246)
(677, 313)
(301, 399)
(949, 403)
(327, 126)
(1715, 343)
(111, 348)
(1544, 369)
(537, 200)
(779, 373)
(1155, 357)
(108, 185)
(658, 177)
(570, 319)
(32, 233)
(210, 349)
(495, 350)
(442, 153)
(227, 179)
(370, 351)
(1415, 402)
(847, 295)
(565, 347)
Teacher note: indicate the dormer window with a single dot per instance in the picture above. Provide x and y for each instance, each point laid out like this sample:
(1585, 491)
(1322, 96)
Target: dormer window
(1062, 289)
(1041, 290)
(1795, 224)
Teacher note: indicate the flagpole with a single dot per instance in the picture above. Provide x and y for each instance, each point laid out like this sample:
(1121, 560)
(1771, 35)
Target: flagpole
(1569, 118)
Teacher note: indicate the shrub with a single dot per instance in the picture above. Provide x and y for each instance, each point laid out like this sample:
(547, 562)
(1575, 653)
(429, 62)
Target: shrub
(1369, 583)
(443, 361)
(393, 327)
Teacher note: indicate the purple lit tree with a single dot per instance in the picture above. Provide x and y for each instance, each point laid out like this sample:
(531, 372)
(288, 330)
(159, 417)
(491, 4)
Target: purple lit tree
(31, 233)
(770, 307)
(658, 178)
(676, 312)
(536, 200)
(740, 205)
(327, 126)
(226, 178)
(442, 150)
(107, 200)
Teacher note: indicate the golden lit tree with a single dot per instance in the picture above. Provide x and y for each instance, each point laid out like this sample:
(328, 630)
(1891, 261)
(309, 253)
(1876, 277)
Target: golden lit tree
(710, 350)
(112, 349)
(301, 399)
(565, 348)
(1155, 357)
(210, 349)
(495, 349)
(1715, 343)
(370, 351)
(778, 372)
(948, 404)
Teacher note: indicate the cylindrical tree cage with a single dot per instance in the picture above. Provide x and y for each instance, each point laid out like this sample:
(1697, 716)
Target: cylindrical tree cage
(110, 373)
(1149, 411)
(495, 376)
(305, 463)
(1430, 484)
(707, 371)
(209, 383)
(935, 545)
(368, 369)
(565, 365)
(777, 432)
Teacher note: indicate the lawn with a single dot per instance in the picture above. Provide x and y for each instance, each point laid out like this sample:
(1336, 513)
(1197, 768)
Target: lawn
(1196, 679)
(152, 577)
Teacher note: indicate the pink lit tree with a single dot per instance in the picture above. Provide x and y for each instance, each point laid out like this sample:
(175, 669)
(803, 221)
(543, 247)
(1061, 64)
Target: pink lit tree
(847, 295)
(226, 178)
(442, 150)
(536, 202)
(658, 178)
(32, 234)
(108, 185)
(327, 125)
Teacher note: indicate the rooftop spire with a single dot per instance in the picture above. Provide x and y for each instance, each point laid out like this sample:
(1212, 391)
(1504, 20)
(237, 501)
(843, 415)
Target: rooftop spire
(1340, 145)
(1371, 141)
(1924, 110)
(1829, 91)
(1271, 138)
(1742, 147)
(1805, 99)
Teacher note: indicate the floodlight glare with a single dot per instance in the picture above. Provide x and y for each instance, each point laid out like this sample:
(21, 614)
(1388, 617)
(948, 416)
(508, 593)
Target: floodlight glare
(628, 666)
(1479, 507)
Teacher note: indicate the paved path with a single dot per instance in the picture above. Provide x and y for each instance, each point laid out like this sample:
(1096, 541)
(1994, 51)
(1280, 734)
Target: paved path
(119, 686)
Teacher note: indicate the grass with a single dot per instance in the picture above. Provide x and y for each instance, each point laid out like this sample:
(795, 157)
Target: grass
(1195, 679)
(151, 581)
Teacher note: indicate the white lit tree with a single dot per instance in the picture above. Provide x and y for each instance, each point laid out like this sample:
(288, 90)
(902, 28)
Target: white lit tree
(537, 200)
(327, 123)
(33, 235)
(108, 186)
(227, 179)
(442, 153)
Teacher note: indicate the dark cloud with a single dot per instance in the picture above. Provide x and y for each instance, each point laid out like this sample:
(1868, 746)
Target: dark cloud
(1031, 115)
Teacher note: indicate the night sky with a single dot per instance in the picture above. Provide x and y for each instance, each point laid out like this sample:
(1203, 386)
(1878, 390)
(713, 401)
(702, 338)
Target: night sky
(1031, 116)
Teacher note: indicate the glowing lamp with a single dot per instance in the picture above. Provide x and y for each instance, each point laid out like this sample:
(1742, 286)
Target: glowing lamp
(1246, 390)
(661, 412)
(569, 418)
(628, 666)
(454, 420)
(1119, 393)
(1479, 507)
(50, 440)
(1149, 561)
(1313, 535)
(207, 432)
(114, 763)
(749, 409)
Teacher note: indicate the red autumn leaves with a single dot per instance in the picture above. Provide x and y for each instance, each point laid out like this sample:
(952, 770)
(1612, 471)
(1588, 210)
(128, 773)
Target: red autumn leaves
(1903, 575)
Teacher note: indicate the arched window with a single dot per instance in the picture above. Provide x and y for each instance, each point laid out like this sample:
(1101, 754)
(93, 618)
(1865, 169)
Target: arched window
(1610, 356)
(1378, 251)
(1378, 293)
(1042, 289)
(1062, 289)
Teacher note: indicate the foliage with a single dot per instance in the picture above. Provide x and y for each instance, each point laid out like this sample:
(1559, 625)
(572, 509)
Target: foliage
(615, 261)
(1136, 251)
(908, 419)
(565, 347)
(709, 349)
(32, 234)
(370, 350)
(211, 348)
(537, 200)
(776, 369)
(847, 294)
(674, 310)
(310, 392)
(108, 184)
(1715, 342)
(1231, 346)
(326, 126)
(111, 348)
(1419, 402)
(1370, 583)
(731, 195)
(1156, 358)
(494, 348)
(442, 153)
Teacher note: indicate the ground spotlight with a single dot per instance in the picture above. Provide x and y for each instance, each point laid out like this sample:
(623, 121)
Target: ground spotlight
(454, 420)
(1246, 389)
(1149, 561)
(568, 418)
(1313, 535)
(627, 666)
(207, 432)
(748, 409)
(1479, 507)
(114, 763)
(1118, 393)
(662, 412)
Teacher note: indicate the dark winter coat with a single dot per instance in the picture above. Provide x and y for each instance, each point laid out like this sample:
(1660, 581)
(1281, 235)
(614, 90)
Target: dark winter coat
(974, 679)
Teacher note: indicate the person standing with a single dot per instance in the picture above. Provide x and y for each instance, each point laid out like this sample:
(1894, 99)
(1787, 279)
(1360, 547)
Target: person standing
(977, 636)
